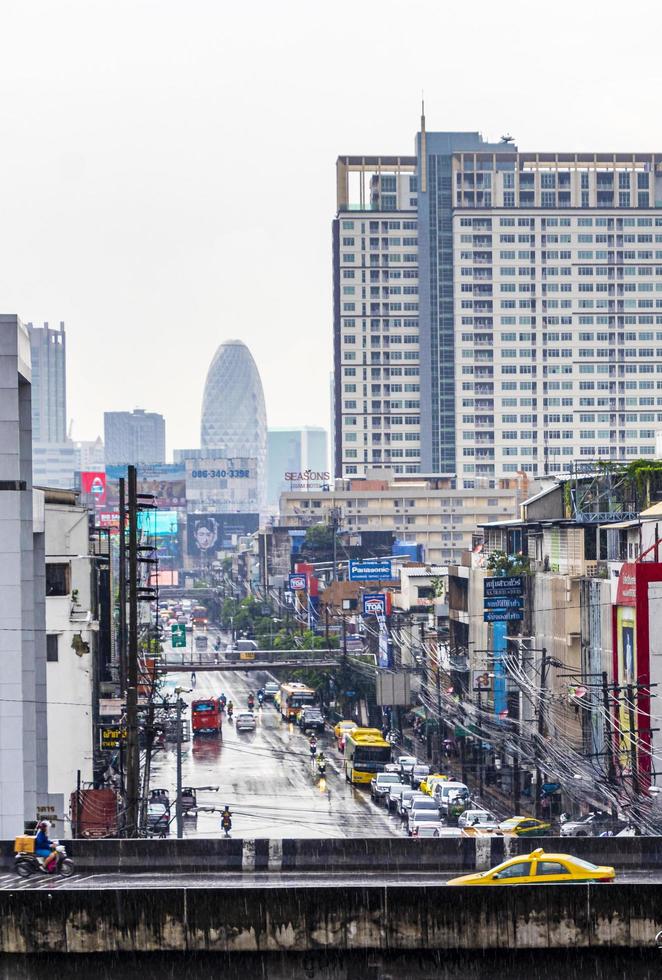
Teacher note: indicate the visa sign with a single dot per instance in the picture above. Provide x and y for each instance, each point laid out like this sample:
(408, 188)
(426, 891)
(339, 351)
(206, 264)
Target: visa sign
(297, 583)
(376, 604)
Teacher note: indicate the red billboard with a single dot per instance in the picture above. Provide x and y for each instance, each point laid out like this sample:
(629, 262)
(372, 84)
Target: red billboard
(93, 487)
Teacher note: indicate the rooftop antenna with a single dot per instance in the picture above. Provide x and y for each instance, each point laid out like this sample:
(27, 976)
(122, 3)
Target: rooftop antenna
(423, 175)
(507, 139)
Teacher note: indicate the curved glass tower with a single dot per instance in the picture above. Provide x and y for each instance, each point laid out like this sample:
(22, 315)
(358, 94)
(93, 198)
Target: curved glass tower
(234, 418)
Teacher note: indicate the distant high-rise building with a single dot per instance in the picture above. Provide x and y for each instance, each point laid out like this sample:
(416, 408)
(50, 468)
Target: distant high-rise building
(53, 454)
(90, 455)
(133, 437)
(295, 457)
(48, 349)
(377, 419)
(234, 418)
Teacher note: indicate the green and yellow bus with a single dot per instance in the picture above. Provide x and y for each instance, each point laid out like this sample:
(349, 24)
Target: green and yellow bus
(366, 754)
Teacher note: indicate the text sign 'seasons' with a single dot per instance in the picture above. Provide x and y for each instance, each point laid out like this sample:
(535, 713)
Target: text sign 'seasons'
(508, 585)
(297, 583)
(503, 602)
(374, 605)
(370, 571)
(503, 615)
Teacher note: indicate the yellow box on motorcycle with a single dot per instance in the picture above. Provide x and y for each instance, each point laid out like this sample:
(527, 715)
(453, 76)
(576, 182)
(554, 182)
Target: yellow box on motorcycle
(24, 845)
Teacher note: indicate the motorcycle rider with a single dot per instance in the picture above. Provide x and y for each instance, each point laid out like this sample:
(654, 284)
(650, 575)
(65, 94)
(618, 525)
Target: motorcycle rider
(44, 847)
(321, 763)
(226, 820)
(313, 748)
(230, 709)
(260, 697)
(251, 702)
(222, 701)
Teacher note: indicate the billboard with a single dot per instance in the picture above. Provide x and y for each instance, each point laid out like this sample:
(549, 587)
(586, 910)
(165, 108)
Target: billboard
(297, 583)
(93, 486)
(209, 533)
(377, 604)
(158, 523)
(165, 481)
(370, 571)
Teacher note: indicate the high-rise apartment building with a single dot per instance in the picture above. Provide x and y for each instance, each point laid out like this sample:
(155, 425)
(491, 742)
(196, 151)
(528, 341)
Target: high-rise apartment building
(134, 437)
(376, 342)
(540, 330)
(48, 349)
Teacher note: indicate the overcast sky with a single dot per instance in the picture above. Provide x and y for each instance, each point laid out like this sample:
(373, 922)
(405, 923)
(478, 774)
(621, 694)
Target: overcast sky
(167, 166)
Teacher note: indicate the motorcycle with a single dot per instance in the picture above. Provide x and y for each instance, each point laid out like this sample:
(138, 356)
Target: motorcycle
(260, 700)
(222, 701)
(226, 825)
(230, 712)
(321, 768)
(26, 864)
(251, 702)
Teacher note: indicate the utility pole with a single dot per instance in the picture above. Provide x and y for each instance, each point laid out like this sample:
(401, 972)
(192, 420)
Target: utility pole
(133, 744)
(608, 729)
(122, 588)
(632, 739)
(481, 786)
(178, 800)
(541, 730)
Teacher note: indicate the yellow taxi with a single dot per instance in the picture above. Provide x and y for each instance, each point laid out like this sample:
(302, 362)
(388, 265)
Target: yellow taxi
(429, 783)
(525, 827)
(539, 868)
(342, 727)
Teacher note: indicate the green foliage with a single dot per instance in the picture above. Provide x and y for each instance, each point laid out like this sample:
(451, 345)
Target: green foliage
(438, 587)
(504, 564)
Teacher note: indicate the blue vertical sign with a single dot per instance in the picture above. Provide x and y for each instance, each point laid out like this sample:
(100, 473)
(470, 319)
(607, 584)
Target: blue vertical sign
(499, 633)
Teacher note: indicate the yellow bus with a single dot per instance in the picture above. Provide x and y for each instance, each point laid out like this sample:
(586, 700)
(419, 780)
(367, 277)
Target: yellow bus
(294, 697)
(366, 754)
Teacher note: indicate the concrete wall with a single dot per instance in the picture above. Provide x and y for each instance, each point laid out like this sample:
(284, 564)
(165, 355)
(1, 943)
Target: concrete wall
(296, 918)
(371, 855)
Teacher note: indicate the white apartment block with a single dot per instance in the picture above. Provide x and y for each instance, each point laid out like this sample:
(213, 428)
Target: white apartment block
(376, 341)
(430, 511)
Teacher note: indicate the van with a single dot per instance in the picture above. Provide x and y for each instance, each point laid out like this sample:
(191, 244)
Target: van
(448, 792)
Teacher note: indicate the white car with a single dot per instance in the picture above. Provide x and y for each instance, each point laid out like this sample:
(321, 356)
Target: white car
(422, 810)
(245, 722)
(425, 828)
(481, 819)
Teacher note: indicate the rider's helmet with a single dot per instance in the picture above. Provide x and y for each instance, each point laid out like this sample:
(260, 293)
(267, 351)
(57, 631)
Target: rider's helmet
(44, 825)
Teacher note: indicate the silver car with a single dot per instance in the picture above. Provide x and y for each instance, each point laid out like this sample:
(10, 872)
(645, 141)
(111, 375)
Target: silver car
(425, 809)
(245, 722)
(481, 819)
(395, 791)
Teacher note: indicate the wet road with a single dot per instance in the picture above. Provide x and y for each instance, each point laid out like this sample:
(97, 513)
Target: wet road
(262, 879)
(265, 776)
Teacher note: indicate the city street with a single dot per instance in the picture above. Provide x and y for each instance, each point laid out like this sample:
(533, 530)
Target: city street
(265, 776)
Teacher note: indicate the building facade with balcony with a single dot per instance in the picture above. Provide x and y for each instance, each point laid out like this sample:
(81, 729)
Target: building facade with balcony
(429, 511)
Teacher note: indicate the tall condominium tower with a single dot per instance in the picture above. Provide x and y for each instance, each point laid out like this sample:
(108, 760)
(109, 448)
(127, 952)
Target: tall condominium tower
(539, 322)
(48, 349)
(133, 437)
(375, 318)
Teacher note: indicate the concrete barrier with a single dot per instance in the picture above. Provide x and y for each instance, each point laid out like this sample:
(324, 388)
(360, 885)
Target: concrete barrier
(385, 854)
(293, 919)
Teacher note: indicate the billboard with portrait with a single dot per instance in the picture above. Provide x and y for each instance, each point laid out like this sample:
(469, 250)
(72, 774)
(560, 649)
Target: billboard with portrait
(210, 533)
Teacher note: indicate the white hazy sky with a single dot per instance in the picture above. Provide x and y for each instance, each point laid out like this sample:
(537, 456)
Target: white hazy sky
(167, 166)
